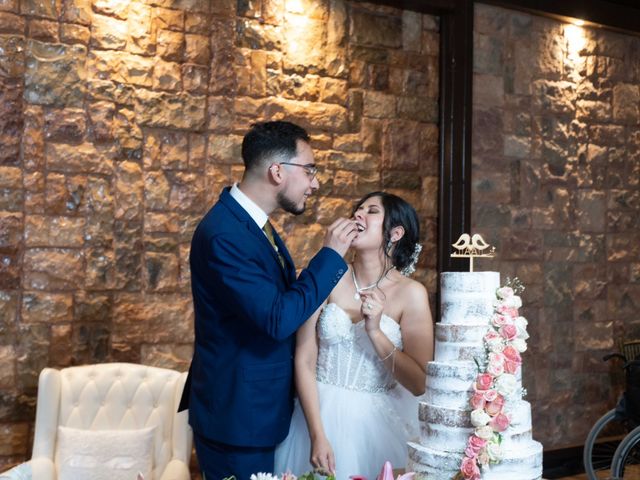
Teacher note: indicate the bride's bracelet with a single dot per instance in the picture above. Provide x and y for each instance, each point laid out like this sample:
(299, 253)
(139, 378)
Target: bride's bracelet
(390, 353)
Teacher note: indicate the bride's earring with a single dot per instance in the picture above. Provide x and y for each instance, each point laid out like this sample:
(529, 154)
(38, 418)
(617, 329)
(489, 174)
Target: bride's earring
(389, 245)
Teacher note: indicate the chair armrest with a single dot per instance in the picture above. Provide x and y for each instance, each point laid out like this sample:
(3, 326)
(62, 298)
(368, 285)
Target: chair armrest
(176, 470)
(43, 468)
(19, 472)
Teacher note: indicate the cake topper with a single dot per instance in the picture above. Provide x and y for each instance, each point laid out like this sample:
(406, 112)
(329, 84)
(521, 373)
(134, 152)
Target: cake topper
(471, 247)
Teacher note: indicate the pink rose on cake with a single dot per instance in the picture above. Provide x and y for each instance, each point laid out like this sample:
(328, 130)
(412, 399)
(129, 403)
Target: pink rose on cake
(499, 320)
(512, 359)
(490, 395)
(469, 469)
(477, 400)
(512, 354)
(508, 332)
(474, 445)
(484, 381)
(494, 407)
(506, 310)
(496, 364)
(500, 422)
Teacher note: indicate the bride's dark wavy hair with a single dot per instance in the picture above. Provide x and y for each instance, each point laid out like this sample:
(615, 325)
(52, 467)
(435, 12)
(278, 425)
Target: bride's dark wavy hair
(397, 212)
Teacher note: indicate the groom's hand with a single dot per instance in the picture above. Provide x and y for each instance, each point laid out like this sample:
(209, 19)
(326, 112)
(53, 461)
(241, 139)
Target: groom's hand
(340, 234)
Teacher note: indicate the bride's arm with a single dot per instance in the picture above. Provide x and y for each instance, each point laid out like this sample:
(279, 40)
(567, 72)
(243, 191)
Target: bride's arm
(321, 454)
(409, 365)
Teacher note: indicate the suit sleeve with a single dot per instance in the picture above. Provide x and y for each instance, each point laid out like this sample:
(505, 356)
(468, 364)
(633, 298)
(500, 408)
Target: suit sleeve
(251, 290)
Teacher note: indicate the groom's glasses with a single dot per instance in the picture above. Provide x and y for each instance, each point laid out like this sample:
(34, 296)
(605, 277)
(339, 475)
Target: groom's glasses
(309, 168)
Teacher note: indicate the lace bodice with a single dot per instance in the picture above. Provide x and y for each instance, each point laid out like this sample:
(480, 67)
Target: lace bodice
(346, 356)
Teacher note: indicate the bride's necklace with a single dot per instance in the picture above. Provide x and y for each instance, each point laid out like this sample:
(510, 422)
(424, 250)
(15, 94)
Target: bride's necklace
(356, 296)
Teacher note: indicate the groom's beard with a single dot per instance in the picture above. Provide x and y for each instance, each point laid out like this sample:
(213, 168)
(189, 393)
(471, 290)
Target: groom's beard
(289, 205)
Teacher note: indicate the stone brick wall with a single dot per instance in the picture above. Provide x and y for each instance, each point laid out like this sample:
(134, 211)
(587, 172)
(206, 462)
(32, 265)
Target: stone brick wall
(121, 121)
(556, 187)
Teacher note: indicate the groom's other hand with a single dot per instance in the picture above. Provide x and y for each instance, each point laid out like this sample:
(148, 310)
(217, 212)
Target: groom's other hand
(340, 234)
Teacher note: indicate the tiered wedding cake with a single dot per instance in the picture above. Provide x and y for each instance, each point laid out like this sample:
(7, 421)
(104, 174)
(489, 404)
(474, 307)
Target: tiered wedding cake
(468, 303)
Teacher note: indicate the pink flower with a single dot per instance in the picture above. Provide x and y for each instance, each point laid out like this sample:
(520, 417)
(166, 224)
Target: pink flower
(495, 367)
(508, 331)
(477, 400)
(387, 472)
(490, 395)
(484, 381)
(469, 453)
(511, 367)
(508, 311)
(498, 320)
(475, 443)
(492, 336)
(469, 469)
(494, 407)
(512, 354)
(500, 422)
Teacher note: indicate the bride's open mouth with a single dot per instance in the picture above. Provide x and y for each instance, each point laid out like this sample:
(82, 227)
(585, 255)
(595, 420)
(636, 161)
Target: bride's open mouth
(360, 227)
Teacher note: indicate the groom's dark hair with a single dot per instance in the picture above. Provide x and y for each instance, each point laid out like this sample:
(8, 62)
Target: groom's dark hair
(267, 140)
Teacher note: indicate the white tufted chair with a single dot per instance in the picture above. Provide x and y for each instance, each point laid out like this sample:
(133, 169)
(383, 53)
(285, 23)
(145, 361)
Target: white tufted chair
(113, 396)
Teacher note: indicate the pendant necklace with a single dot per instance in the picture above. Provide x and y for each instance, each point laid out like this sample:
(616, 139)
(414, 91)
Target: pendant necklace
(356, 296)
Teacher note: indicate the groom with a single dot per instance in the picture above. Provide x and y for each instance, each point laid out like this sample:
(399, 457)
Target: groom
(248, 304)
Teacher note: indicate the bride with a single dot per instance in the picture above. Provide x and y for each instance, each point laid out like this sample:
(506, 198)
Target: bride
(361, 358)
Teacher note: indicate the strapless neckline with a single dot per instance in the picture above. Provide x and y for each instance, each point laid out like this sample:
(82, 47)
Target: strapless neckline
(347, 316)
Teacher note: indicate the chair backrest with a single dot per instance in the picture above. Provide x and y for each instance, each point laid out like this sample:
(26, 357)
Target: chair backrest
(114, 396)
(631, 349)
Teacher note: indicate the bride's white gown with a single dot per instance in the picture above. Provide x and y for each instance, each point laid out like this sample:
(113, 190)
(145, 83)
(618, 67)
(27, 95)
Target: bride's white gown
(367, 416)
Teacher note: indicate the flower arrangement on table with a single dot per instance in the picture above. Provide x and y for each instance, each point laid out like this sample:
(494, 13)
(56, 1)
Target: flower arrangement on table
(313, 475)
(496, 385)
(385, 474)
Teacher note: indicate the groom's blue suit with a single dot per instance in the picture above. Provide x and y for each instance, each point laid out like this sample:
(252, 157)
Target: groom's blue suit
(247, 309)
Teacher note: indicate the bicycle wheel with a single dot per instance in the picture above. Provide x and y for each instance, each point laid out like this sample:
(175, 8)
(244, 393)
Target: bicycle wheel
(601, 444)
(626, 459)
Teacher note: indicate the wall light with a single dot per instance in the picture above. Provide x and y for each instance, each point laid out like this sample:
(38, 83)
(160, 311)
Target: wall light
(576, 40)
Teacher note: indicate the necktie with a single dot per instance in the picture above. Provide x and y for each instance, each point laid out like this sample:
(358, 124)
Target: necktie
(268, 230)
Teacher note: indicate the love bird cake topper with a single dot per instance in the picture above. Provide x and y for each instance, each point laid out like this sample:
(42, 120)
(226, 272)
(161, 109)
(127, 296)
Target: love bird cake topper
(472, 246)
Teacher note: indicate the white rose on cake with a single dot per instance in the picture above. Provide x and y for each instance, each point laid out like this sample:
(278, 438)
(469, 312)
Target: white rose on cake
(485, 432)
(521, 325)
(504, 292)
(494, 341)
(495, 451)
(479, 418)
(513, 302)
(506, 384)
(519, 344)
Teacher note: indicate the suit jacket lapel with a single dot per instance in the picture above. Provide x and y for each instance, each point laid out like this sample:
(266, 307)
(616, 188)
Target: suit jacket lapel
(244, 217)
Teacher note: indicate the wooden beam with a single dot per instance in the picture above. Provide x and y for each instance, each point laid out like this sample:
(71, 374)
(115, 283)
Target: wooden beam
(456, 80)
(616, 15)
(430, 7)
